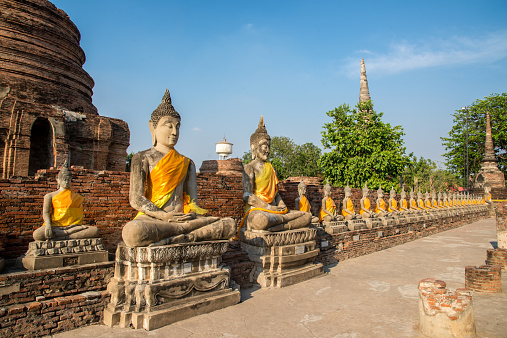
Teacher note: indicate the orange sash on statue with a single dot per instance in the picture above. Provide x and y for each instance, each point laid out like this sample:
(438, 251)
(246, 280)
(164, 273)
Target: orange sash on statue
(67, 209)
(330, 206)
(393, 206)
(404, 203)
(381, 207)
(304, 205)
(366, 205)
(350, 207)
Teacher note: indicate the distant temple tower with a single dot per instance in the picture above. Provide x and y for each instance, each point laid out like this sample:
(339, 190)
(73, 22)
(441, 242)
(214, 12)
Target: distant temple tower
(46, 110)
(364, 92)
(489, 174)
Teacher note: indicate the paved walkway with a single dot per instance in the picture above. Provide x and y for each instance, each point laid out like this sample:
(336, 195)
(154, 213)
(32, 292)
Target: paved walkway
(370, 296)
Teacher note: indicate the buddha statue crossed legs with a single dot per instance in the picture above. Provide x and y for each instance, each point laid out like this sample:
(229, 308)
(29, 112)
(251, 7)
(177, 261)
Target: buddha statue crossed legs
(380, 208)
(328, 208)
(392, 204)
(163, 189)
(347, 206)
(366, 204)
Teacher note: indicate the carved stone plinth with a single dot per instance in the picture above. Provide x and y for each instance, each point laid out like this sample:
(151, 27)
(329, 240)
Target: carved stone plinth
(282, 258)
(57, 254)
(156, 286)
(335, 227)
(356, 224)
(388, 221)
(372, 223)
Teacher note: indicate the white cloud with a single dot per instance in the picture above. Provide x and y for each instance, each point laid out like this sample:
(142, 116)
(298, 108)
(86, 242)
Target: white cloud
(197, 129)
(405, 56)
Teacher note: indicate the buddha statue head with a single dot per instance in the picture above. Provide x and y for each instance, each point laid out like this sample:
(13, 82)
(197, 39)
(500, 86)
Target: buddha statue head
(380, 192)
(348, 191)
(412, 193)
(426, 195)
(165, 123)
(302, 188)
(419, 195)
(327, 189)
(365, 191)
(260, 142)
(64, 177)
(433, 194)
(439, 195)
(403, 194)
(392, 193)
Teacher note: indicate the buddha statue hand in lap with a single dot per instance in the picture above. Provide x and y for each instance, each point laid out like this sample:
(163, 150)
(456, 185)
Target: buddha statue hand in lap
(62, 212)
(366, 204)
(347, 206)
(404, 206)
(265, 209)
(301, 203)
(328, 207)
(163, 189)
(380, 208)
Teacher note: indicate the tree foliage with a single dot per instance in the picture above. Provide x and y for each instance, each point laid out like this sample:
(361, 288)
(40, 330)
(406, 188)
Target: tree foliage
(473, 122)
(362, 148)
(427, 173)
(290, 159)
(128, 161)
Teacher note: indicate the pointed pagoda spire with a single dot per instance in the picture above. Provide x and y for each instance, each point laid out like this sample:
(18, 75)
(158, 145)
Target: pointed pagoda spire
(489, 149)
(364, 92)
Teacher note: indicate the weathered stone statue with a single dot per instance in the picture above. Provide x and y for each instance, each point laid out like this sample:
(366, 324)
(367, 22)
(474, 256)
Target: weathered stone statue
(163, 189)
(404, 205)
(366, 204)
(265, 208)
(380, 208)
(279, 241)
(169, 267)
(446, 200)
(487, 195)
(393, 205)
(427, 201)
(348, 210)
(434, 202)
(62, 212)
(301, 203)
(63, 239)
(440, 201)
(328, 207)
(420, 201)
(413, 202)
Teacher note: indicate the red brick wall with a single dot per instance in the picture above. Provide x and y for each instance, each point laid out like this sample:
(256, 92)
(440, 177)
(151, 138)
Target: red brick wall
(484, 278)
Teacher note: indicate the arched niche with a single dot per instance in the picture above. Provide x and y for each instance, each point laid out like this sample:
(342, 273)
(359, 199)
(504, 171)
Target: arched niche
(41, 146)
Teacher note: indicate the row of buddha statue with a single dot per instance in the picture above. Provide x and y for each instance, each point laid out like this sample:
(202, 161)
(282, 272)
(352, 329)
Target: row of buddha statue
(423, 202)
(172, 250)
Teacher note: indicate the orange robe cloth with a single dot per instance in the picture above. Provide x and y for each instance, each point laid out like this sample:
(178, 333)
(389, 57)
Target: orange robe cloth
(67, 209)
(435, 204)
(421, 204)
(304, 205)
(163, 179)
(393, 206)
(350, 207)
(414, 205)
(381, 206)
(404, 203)
(428, 204)
(367, 205)
(330, 206)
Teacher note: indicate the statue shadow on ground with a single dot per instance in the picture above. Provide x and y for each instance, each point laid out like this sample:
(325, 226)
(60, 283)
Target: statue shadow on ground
(494, 244)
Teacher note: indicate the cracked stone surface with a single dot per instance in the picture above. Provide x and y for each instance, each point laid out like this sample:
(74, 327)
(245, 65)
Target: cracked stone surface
(370, 296)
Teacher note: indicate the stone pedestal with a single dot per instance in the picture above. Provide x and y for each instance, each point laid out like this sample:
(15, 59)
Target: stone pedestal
(335, 227)
(282, 258)
(156, 286)
(387, 221)
(57, 254)
(356, 224)
(372, 223)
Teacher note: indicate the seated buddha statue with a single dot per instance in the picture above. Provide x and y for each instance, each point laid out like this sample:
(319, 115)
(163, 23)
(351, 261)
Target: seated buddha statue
(392, 204)
(328, 208)
(301, 203)
(404, 205)
(265, 209)
(163, 189)
(348, 210)
(434, 202)
(380, 207)
(447, 204)
(62, 212)
(487, 195)
(413, 202)
(365, 211)
(427, 201)
(440, 201)
(420, 201)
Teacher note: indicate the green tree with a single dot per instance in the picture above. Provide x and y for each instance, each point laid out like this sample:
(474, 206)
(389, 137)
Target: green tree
(290, 159)
(426, 172)
(362, 148)
(472, 123)
(128, 161)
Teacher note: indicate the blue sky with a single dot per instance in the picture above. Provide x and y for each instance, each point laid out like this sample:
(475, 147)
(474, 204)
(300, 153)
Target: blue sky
(227, 62)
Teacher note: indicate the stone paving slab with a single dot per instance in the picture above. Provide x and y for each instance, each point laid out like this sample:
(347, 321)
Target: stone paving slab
(370, 296)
